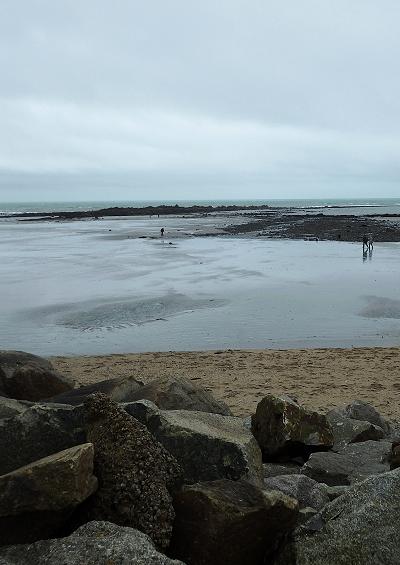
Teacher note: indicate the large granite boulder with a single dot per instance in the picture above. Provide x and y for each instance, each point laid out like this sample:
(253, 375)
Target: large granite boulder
(279, 469)
(349, 430)
(39, 431)
(10, 407)
(177, 393)
(28, 377)
(37, 499)
(361, 527)
(229, 522)
(136, 474)
(308, 492)
(353, 463)
(207, 446)
(283, 428)
(168, 393)
(360, 410)
(95, 543)
(119, 390)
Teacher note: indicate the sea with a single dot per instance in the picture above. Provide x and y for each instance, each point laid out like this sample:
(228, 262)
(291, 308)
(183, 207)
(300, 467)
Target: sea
(330, 205)
(114, 286)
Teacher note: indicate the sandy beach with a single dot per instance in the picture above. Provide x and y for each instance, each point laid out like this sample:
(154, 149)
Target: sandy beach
(320, 378)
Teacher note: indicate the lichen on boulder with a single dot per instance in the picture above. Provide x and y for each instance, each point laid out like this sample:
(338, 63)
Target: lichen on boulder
(136, 474)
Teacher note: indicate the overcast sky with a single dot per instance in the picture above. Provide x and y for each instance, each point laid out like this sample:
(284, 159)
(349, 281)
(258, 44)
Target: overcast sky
(173, 99)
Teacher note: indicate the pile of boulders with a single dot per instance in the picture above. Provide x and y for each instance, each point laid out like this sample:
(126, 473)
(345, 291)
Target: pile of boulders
(162, 473)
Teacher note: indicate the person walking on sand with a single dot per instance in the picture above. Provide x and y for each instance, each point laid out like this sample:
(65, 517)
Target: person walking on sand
(365, 241)
(162, 232)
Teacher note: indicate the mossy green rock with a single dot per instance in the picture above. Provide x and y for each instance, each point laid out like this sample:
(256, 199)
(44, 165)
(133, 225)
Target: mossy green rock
(283, 428)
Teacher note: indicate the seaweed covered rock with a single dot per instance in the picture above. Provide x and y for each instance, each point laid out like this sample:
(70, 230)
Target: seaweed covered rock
(95, 543)
(283, 428)
(229, 522)
(36, 500)
(28, 377)
(136, 474)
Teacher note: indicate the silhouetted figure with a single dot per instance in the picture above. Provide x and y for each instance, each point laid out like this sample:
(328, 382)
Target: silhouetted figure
(162, 232)
(365, 241)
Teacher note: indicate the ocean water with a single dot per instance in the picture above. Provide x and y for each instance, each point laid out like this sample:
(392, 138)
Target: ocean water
(92, 288)
(336, 206)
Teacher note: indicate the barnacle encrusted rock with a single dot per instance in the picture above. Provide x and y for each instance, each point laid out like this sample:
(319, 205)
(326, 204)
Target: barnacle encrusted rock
(136, 474)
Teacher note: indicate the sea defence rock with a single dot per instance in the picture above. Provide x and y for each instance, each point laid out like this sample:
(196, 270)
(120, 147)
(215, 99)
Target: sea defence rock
(10, 407)
(168, 393)
(207, 446)
(349, 430)
(306, 491)
(279, 469)
(360, 410)
(283, 428)
(229, 522)
(360, 527)
(37, 499)
(354, 463)
(119, 390)
(95, 543)
(177, 393)
(136, 474)
(28, 377)
(39, 431)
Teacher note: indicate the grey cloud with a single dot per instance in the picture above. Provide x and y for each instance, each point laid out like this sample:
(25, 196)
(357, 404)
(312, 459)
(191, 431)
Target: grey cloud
(290, 93)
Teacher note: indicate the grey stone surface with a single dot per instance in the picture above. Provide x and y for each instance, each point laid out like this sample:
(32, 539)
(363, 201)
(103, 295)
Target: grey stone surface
(37, 499)
(229, 522)
(307, 491)
(284, 428)
(10, 407)
(360, 410)
(136, 474)
(305, 514)
(348, 430)
(95, 543)
(207, 446)
(178, 393)
(355, 462)
(29, 377)
(361, 527)
(278, 469)
(119, 390)
(39, 431)
(335, 491)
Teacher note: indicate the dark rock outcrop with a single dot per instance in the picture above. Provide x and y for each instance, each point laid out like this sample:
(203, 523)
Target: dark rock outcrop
(95, 543)
(306, 491)
(354, 463)
(136, 474)
(39, 431)
(229, 522)
(282, 427)
(37, 499)
(279, 469)
(207, 446)
(360, 527)
(28, 377)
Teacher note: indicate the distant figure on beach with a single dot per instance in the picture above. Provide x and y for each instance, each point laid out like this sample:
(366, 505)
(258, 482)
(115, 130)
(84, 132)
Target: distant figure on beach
(370, 242)
(365, 241)
(162, 232)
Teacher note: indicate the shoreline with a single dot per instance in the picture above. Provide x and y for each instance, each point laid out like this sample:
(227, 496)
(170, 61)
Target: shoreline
(321, 379)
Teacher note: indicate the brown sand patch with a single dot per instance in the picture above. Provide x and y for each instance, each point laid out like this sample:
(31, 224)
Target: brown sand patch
(320, 378)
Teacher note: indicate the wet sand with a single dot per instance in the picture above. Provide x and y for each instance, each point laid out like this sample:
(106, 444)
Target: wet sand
(320, 378)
